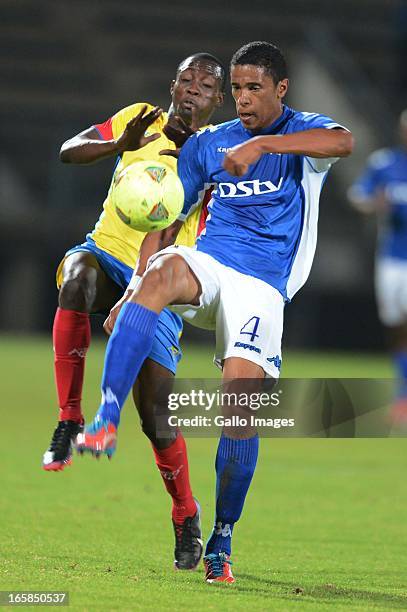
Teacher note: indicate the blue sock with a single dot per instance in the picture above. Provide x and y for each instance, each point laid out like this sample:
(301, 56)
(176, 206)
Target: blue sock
(128, 347)
(400, 361)
(235, 465)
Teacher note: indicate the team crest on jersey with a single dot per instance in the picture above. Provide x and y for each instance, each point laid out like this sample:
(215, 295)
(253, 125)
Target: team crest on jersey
(156, 173)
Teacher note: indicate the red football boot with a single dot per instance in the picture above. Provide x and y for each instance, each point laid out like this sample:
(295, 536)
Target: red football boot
(217, 568)
(98, 438)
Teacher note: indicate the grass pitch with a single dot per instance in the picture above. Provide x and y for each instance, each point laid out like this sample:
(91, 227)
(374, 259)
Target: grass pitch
(324, 526)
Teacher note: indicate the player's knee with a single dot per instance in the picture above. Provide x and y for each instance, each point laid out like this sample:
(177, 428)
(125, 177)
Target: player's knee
(167, 276)
(159, 442)
(78, 291)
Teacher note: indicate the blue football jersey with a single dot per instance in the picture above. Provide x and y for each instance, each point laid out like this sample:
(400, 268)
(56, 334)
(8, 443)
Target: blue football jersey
(386, 173)
(263, 224)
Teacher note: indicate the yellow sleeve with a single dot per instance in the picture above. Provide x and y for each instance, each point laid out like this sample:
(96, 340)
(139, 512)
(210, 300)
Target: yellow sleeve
(189, 229)
(121, 118)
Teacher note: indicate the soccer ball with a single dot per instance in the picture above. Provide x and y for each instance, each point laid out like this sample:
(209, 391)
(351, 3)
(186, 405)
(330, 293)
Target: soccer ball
(147, 195)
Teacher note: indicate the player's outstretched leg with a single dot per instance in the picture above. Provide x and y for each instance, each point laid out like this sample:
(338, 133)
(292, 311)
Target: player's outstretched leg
(150, 393)
(128, 347)
(235, 464)
(85, 288)
(168, 280)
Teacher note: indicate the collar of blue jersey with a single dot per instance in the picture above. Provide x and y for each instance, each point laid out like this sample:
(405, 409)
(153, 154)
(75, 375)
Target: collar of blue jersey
(276, 126)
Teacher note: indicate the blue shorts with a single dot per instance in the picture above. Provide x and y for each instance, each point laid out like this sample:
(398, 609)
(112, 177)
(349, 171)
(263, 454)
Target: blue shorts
(166, 348)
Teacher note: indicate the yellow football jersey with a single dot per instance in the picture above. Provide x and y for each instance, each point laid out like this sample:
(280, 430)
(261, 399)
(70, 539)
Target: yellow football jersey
(110, 233)
(194, 224)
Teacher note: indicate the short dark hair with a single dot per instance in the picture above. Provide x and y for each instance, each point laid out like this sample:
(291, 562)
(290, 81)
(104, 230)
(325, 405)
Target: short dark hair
(264, 54)
(197, 57)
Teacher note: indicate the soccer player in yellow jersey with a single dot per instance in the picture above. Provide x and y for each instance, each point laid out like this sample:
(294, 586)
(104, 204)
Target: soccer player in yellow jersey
(93, 275)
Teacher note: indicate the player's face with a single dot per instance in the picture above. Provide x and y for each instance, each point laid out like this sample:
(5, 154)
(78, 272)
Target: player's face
(196, 91)
(258, 99)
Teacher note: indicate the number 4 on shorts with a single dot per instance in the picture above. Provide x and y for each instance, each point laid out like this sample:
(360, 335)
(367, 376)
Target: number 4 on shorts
(250, 328)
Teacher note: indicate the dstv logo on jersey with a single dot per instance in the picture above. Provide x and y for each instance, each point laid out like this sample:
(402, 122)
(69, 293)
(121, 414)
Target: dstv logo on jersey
(243, 189)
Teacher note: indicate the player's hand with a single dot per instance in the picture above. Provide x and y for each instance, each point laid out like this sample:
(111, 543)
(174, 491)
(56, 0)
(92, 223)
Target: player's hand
(239, 158)
(109, 323)
(178, 131)
(133, 137)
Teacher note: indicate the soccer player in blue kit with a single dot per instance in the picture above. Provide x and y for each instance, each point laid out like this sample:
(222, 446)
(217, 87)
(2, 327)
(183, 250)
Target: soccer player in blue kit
(382, 188)
(268, 167)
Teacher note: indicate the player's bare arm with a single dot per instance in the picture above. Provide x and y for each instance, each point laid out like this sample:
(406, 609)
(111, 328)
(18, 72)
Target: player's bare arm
(318, 143)
(88, 147)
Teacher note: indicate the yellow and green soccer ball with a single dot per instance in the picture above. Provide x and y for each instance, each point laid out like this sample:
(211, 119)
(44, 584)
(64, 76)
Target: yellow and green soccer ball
(147, 195)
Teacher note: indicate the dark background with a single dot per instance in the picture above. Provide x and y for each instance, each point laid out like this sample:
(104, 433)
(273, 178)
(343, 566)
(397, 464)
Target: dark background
(67, 65)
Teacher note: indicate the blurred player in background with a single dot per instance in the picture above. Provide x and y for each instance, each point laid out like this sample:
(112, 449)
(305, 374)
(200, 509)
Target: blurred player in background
(254, 255)
(382, 189)
(93, 275)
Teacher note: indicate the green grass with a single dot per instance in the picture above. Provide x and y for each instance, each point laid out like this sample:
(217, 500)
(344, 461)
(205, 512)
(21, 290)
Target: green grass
(324, 526)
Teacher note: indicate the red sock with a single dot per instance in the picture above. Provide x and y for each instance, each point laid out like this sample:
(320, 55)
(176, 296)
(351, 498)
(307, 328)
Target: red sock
(173, 465)
(71, 337)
